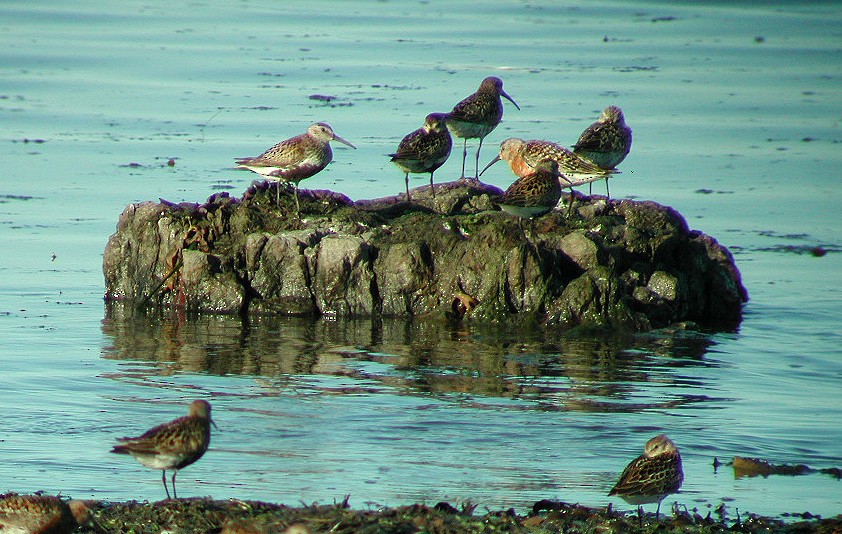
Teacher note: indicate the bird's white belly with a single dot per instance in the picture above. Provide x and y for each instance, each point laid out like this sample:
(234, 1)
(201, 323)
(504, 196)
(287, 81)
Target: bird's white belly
(264, 171)
(158, 461)
(469, 130)
(643, 499)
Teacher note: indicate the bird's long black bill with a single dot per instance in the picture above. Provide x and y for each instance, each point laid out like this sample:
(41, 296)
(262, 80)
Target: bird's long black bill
(507, 97)
(492, 162)
(344, 142)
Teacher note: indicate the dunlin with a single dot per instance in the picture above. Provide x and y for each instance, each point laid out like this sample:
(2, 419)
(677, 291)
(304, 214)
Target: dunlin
(173, 445)
(478, 114)
(40, 514)
(606, 142)
(424, 150)
(533, 194)
(654, 475)
(296, 158)
(522, 156)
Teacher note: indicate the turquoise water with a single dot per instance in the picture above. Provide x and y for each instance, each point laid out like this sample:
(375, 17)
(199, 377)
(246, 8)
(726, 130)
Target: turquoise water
(737, 125)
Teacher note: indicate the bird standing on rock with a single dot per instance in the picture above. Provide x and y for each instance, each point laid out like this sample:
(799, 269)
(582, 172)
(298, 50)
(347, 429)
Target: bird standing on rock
(607, 141)
(296, 158)
(535, 193)
(478, 114)
(522, 157)
(424, 150)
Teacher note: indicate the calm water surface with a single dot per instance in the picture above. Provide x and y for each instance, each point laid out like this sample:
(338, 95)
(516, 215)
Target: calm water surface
(737, 125)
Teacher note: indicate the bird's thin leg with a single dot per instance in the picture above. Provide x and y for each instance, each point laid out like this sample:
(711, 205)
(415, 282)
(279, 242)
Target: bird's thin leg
(297, 207)
(658, 510)
(432, 187)
(164, 480)
(570, 203)
(278, 193)
(464, 157)
(174, 494)
(476, 171)
(607, 192)
(408, 198)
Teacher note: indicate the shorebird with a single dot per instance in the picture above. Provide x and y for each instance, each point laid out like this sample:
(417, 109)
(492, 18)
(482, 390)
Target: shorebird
(522, 157)
(654, 475)
(535, 193)
(606, 142)
(424, 150)
(173, 445)
(296, 158)
(41, 514)
(478, 114)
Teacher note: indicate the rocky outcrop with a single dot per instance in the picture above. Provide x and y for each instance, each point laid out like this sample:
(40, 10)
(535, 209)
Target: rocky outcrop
(610, 263)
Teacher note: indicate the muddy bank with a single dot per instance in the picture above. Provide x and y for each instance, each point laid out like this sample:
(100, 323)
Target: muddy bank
(605, 263)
